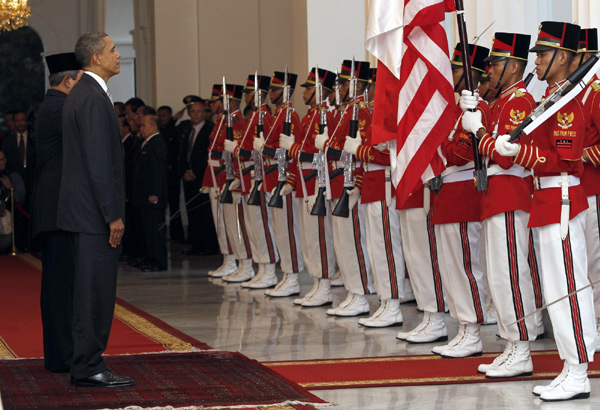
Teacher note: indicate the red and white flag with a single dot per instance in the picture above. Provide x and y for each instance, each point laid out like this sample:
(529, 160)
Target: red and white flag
(414, 104)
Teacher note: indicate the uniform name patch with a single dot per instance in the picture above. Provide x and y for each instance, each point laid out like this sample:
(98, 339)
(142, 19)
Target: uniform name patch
(464, 144)
(567, 144)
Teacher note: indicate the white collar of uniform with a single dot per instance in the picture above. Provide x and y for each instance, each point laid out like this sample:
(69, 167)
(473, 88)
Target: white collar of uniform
(98, 79)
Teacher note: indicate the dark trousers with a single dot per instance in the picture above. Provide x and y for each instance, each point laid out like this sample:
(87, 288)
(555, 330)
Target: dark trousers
(133, 244)
(95, 288)
(156, 239)
(174, 191)
(201, 228)
(56, 300)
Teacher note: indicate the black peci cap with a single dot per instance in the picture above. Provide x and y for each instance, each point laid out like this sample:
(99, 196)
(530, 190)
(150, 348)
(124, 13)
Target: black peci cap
(190, 99)
(57, 63)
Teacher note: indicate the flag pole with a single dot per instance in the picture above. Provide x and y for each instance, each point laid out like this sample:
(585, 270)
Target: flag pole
(480, 170)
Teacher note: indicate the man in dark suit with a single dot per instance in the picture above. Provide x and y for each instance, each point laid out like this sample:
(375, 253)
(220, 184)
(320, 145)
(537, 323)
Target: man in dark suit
(91, 206)
(57, 260)
(19, 147)
(194, 157)
(150, 193)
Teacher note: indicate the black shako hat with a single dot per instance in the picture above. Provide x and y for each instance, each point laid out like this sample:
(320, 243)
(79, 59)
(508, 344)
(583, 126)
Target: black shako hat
(326, 78)
(278, 80)
(588, 40)
(478, 55)
(557, 35)
(234, 91)
(57, 63)
(264, 83)
(509, 45)
(361, 70)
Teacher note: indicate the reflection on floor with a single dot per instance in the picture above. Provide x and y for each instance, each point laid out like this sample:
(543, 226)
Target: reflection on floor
(229, 317)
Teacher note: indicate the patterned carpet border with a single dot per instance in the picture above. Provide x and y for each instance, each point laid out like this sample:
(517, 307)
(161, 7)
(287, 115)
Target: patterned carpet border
(408, 370)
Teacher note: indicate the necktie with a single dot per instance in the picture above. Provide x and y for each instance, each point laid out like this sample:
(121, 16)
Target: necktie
(21, 149)
(109, 96)
(191, 143)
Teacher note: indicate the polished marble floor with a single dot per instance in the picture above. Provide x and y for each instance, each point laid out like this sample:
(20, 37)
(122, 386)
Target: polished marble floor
(229, 317)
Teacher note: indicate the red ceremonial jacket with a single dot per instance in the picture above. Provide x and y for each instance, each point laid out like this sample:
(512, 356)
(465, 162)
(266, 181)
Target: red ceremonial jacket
(591, 109)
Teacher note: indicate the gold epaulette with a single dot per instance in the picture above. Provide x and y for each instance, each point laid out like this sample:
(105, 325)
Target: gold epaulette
(595, 86)
(519, 93)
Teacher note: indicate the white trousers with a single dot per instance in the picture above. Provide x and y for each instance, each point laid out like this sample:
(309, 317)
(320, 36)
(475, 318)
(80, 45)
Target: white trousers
(564, 267)
(259, 224)
(420, 247)
(219, 220)
(384, 246)
(350, 245)
(237, 232)
(286, 224)
(316, 235)
(507, 249)
(592, 245)
(462, 272)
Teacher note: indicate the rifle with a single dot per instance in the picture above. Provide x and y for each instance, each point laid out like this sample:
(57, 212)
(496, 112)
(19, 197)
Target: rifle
(227, 196)
(342, 207)
(480, 172)
(281, 154)
(255, 196)
(319, 161)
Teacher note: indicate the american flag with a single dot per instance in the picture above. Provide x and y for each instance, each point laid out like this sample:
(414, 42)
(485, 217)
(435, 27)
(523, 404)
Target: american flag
(414, 104)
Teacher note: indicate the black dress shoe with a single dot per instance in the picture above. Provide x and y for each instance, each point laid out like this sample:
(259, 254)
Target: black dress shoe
(104, 379)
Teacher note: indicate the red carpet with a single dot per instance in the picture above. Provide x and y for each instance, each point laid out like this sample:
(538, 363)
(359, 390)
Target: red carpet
(407, 371)
(208, 379)
(133, 331)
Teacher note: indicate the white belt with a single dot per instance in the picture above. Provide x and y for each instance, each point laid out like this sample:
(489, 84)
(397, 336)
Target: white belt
(375, 167)
(515, 171)
(307, 165)
(246, 164)
(458, 176)
(214, 162)
(340, 164)
(564, 181)
(271, 161)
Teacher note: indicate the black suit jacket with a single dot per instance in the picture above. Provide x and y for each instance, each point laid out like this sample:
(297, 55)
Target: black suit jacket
(131, 149)
(92, 189)
(150, 174)
(10, 147)
(199, 157)
(48, 169)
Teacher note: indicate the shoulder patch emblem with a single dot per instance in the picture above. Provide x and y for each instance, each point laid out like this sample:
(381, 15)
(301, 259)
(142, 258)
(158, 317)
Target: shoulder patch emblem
(516, 116)
(519, 93)
(565, 120)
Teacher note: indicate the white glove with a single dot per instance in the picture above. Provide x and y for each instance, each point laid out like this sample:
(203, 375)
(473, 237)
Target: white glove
(353, 196)
(468, 100)
(230, 145)
(382, 146)
(505, 148)
(204, 190)
(286, 189)
(286, 141)
(235, 184)
(321, 139)
(258, 142)
(471, 121)
(351, 145)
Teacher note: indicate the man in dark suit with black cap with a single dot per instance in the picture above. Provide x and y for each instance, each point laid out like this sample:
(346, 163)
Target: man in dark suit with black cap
(57, 260)
(91, 207)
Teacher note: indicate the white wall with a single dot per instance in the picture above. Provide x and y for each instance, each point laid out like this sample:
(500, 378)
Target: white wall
(118, 23)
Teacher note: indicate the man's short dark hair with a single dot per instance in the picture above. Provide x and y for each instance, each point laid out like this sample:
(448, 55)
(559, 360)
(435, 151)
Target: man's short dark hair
(135, 103)
(125, 122)
(153, 119)
(165, 107)
(57, 78)
(120, 107)
(87, 45)
(147, 110)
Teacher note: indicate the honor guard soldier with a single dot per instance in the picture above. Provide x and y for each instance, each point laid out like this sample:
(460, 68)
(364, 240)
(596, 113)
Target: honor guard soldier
(233, 212)
(588, 46)
(505, 207)
(286, 218)
(384, 244)
(214, 179)
(553, 152)
(316, 232)
(458, 228)
(349, 231)
(258, 217)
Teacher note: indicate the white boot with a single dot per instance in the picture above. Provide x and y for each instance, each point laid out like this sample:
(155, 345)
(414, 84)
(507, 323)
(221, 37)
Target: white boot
(268, 279)
(574, 385)
(451, 343)
(298, 301)
(227, 268)
(598, 331)
(434, 331)
(388, 314)
(322, 295)
(344, 303)
(259, 275)
(337, 280)
(288, 286)
(490, 313)
(469, 345)
(484, 367)
(409, 295)
(359, 305)
(243, 273)
(517, 363)
(424, 321)
(539, 389)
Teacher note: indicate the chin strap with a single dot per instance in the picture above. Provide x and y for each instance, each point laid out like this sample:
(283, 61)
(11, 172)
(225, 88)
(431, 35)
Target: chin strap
(460, 81)
(311, 97)
(549, 65)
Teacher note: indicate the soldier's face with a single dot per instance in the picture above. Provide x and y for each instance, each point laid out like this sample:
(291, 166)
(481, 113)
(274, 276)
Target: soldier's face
(216, 106)
(344, 87)
(307, 95)
(496, 69)
(20, 122)
(249, 98)
(274, 94)
(542, 62)
(457, 77)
